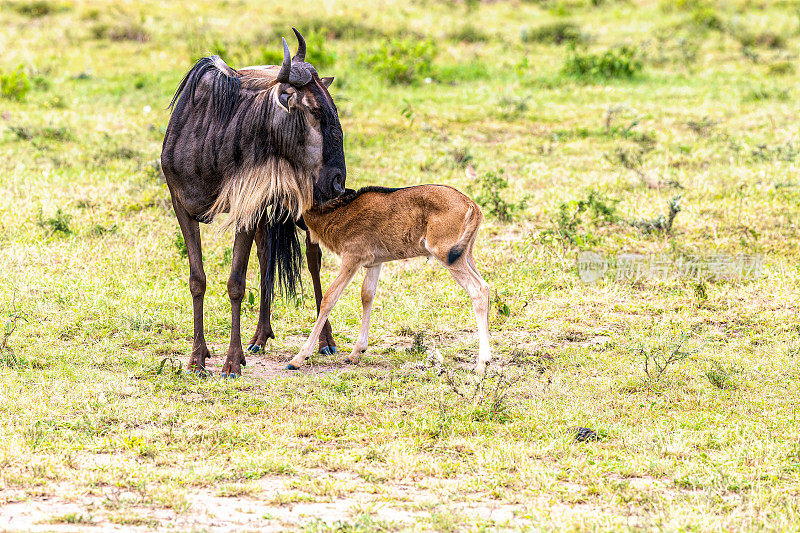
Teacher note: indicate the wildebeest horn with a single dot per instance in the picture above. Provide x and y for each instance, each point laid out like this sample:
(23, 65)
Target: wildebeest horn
(286, 68)
(301, 47)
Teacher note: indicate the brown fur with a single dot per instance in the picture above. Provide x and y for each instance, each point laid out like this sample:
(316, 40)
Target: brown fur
(377, 226)
(366, 228)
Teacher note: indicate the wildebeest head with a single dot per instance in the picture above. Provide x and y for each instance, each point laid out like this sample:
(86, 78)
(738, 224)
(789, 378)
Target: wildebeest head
(300, 90)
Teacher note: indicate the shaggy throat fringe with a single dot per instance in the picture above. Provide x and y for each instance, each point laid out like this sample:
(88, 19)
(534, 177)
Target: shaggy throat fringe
(247, 195)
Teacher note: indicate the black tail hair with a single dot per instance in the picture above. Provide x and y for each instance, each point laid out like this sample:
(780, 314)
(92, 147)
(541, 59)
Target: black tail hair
(285, 255)
(456, 252)
(460, 247)
(224, 91)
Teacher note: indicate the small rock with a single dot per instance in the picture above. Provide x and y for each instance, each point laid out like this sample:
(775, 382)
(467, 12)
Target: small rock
(585, 435)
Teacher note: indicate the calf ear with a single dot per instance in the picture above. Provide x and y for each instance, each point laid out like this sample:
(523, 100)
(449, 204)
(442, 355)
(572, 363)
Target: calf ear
(327, 81)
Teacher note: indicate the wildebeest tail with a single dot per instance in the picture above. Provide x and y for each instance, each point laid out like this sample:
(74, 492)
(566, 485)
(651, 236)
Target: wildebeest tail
(472, 222)
(285, 255)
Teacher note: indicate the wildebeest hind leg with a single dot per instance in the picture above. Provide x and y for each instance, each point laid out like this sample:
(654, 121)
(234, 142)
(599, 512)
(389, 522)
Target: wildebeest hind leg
(264, 327)
(236, 285)
(314, 258)
(190, 229)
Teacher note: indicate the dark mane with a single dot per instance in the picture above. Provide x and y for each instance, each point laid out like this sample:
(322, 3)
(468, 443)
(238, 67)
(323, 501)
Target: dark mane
(224, 90)
(350, 195)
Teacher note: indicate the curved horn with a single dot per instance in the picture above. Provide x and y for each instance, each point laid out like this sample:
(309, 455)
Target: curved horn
(286, 68)
(301, 47)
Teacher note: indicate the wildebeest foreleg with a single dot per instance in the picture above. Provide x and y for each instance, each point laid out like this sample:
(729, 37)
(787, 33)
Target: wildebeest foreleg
(264, 327)
(236, 285)
(314, 258)
(190, 229)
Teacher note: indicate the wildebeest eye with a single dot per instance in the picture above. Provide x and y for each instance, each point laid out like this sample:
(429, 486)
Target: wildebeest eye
(283, 98)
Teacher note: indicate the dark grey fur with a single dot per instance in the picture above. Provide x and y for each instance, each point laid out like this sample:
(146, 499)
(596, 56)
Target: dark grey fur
(223, 122)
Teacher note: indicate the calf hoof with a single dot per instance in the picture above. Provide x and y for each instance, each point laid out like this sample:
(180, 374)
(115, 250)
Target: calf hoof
(290, 366)
(254, 348)
(231, 375)
(326, 350)
(333, 349)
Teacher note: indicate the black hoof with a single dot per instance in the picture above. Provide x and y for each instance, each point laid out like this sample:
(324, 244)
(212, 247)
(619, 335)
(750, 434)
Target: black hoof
(232, 375)
(254, 348)
(325, 350)
(290, 366)
(333, 349)
(348, 361)
(201, 372)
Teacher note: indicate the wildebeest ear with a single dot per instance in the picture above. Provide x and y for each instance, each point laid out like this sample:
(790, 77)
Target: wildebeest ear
(327, 81)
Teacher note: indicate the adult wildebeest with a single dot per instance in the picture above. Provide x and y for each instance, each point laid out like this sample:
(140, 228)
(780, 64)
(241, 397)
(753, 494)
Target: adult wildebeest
(262, 144)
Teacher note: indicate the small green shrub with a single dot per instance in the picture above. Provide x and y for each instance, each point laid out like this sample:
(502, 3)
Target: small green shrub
(616, 63)
(45, 133)
(489, 195)
(779, 152)
(58, 223)
(491, 399)
(554, 33)
(15, 85)
(72, 518)
(38, 8)
(401, 61)
(576, 216)
(722, 377)
(669, 6)
(706, 17)
(98, 230)
(338, 27)
(766, 39)
(418, 346)
(123, 29)
(462, 155)
(658, 349)
(661, 223)
(512, 106)
(467, 33)
(766, 92)
(781, 68)
(55, 102)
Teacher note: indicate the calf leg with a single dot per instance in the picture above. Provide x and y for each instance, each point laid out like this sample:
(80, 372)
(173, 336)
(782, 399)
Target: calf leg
(236, 285)
(264, 327)
(190, 229)
(367, 296)
(468, 277)
(346, 273)
(314, 259)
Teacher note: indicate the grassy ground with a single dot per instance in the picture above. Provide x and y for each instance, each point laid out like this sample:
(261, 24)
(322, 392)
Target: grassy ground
(96, 432)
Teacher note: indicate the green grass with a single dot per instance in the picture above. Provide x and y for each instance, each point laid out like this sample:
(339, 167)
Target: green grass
(94, 293)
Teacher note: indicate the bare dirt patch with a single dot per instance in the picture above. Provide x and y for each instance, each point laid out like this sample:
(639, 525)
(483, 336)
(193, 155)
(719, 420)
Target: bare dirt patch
(273, 504)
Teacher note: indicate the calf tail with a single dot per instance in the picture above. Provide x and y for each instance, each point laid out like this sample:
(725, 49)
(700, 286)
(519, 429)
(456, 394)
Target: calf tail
(472, 222)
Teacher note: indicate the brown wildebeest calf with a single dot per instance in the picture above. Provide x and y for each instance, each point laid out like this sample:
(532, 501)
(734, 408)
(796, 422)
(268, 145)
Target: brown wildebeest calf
(373, 225)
